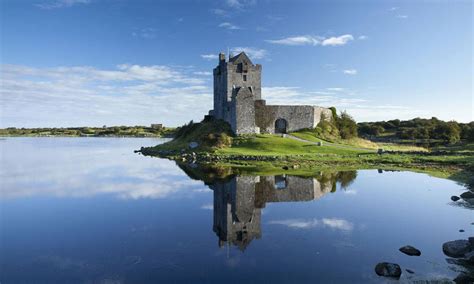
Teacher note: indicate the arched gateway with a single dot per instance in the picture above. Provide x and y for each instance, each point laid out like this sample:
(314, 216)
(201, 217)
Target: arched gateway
(280, 125)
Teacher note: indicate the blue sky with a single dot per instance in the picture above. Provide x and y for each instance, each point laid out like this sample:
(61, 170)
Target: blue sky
(116, 62)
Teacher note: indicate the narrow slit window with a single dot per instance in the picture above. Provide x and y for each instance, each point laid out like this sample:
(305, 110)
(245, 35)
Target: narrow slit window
(245, 77)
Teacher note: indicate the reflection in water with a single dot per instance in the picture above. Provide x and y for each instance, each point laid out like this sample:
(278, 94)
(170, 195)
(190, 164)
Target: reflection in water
(89, 210)
(239, 200)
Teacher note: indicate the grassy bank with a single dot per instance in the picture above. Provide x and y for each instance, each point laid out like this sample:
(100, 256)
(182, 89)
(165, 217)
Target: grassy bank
(267, 153)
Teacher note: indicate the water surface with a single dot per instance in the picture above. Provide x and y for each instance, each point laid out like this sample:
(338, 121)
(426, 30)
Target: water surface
(90, 210)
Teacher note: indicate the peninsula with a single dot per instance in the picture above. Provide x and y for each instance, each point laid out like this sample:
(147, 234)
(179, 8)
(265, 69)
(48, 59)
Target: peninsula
(244, 133)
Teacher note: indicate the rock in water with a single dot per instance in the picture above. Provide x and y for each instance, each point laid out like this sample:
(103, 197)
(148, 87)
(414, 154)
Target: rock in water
(193, 145)
(455, 198)
(469, 257)
(388, 269)
(463, 278)
(467, 195)
(456, 248)
(409, 250)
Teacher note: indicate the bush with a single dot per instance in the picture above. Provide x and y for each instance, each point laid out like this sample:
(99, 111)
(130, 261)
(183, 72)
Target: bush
(347, 126)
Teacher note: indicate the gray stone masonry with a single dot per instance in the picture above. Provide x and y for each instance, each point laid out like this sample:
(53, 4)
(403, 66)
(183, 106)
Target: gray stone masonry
(238, 100)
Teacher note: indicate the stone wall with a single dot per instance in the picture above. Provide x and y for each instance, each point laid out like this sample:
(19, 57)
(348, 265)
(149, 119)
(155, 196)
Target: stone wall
(238, 100)
(243, 112)
(297, 117)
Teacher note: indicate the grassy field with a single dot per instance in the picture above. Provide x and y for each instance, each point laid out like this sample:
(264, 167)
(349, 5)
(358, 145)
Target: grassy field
(357, 142)
(272, 145)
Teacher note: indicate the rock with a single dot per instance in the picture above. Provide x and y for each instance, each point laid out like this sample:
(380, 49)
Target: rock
(380, 151)
(455, 198)
(469, 256)
(409, 250)
(193, 145)
(471, 241)
(463, 279)
(410, 271)
(285, 168)
(467, 195)
(456, 248)
(388, 269)
(461, 231)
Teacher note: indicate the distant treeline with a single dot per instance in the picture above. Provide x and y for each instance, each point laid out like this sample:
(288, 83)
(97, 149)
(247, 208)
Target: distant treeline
(418, 129)
(104, 131)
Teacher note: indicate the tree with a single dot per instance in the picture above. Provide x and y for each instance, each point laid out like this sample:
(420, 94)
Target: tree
(347, 126)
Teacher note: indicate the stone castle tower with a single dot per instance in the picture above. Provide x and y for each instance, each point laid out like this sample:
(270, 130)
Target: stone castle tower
(238, 100)
(237, 84)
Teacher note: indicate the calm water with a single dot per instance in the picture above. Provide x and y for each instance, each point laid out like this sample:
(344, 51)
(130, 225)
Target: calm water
(77, 210)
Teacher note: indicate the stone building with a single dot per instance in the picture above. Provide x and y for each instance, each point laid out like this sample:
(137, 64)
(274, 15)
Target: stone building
(238, 203)
(238, 100)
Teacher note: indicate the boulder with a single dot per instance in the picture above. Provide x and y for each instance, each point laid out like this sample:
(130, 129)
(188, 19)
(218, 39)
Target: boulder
(455, 198)
(456, 248)
(469, 256)
(471, 241)
(409, 250)
(388, 269)
(193, 145)
(463, 278)
(467, 195)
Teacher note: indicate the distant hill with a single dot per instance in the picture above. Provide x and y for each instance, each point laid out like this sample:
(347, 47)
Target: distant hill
(112, 131)
(417, 129)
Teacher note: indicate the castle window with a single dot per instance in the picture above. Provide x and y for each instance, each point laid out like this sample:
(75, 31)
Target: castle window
(245, 77)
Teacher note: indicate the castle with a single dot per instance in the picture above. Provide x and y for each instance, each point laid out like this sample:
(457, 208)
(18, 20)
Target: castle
(238, 100)
(238, 203)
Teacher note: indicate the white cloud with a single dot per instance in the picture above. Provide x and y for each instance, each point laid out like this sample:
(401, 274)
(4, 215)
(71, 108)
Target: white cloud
(220, 12)
(340, 40)
(234, 3)
(146, 33)
(207, 207)
(239, 4)
(394, 8)
(313, 40)
(84, 95)
(335, 89)
(253, 53)
(297, 40)
(343, 99)
(332, 223)
(61, 4)
(363, 37)
(402, 16)
(202, 73)
(350, 71)
(210, 56)
(229, 26)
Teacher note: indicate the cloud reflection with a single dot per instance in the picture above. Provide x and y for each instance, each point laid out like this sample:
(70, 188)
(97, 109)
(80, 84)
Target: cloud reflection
(332, 223)
(87, 167)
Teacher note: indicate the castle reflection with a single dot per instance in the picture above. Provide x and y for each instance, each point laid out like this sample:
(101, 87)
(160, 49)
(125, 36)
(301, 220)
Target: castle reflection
(238, 201)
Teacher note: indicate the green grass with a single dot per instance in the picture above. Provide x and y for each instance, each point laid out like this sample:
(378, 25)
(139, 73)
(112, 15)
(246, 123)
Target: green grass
(273, 153)
(356, 142)
(272, 145)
